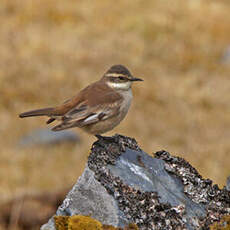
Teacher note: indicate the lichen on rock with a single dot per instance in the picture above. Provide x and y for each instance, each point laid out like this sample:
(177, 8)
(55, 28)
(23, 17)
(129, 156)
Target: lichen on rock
(79, 222)
(223, 224)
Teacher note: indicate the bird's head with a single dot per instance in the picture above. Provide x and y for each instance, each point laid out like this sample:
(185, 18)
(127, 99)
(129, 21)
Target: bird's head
(118, 77)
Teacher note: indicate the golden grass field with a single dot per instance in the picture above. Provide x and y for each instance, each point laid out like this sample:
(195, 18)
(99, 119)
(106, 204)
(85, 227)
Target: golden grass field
(50, 49)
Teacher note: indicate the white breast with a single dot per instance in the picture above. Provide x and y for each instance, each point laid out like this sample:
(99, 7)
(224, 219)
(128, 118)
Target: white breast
(128, 96)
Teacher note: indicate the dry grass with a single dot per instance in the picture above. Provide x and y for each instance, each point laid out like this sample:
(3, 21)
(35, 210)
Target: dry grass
(52, 48)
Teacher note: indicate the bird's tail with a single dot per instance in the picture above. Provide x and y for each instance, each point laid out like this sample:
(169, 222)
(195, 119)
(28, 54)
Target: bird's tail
(37, 112)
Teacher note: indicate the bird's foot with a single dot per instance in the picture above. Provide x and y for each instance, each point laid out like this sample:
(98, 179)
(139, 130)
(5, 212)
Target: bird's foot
(105, 140)
(99, 137)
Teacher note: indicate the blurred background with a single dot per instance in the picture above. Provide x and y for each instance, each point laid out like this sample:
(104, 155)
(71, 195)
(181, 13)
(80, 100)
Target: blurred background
(50, 49)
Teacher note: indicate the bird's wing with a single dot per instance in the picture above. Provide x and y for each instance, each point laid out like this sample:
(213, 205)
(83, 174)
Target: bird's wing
(90, 110)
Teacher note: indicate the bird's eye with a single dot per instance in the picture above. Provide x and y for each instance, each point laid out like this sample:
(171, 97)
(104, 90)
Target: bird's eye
(121, 78)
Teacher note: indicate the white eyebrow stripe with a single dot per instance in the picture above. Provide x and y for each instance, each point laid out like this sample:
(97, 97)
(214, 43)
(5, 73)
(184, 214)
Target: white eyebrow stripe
(114, 74)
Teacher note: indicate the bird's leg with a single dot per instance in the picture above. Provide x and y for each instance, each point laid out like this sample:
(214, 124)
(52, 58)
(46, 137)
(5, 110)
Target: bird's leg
(99, 137)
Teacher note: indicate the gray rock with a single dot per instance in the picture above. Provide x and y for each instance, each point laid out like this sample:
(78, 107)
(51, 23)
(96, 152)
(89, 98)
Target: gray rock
(151, 176)
(89, 197)
(225, 59)
(48, 137)
(228, 184)
(122, 184)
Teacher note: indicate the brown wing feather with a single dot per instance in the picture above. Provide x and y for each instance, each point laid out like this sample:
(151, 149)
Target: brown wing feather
(94, 97)
(90, 109)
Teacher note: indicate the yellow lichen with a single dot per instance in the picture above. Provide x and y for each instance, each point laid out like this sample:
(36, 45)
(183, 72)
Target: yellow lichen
(61, 222)
(83, 223)
(79, 222)
(132, 227)
(224, 224)
(109, 227)
(129, 227)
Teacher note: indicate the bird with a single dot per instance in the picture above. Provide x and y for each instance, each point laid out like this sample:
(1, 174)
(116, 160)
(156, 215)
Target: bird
(96, 109)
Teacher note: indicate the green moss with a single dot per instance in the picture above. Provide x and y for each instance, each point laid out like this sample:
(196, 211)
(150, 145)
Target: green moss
(79, 222)
(224, 224)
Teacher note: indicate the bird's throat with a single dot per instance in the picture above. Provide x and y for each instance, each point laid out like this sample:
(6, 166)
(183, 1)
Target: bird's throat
(120, 86)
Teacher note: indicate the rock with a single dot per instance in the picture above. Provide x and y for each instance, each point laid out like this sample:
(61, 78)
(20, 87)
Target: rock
(225, 59)
(48, 137)
(89, 197)
(122, 184)
(228, 184)
(223, 224)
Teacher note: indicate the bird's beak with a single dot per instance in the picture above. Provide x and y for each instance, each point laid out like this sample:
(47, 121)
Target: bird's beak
(136, 79)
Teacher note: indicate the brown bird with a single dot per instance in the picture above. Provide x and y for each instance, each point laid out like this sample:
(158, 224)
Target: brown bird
(97, 108)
